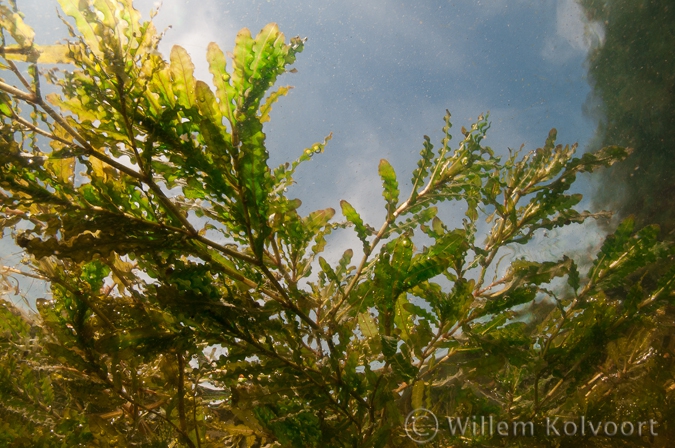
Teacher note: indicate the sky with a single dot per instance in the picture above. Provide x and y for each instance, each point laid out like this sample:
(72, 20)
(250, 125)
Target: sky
(379, 74)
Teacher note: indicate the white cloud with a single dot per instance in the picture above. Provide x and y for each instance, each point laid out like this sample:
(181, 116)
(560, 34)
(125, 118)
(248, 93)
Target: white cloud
(193, 28)
(570, 24)
(574, 33)
(404, 27)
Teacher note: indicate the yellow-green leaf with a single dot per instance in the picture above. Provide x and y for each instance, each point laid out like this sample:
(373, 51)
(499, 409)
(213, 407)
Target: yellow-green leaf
(361, 230)
(367, 325)
(79, 10)
(266, 108)
(182, 70)
(390, 184)
(206, 102)
(418, 395)
(14, 24)
(54, 54)
(221, 79)
(62, 168)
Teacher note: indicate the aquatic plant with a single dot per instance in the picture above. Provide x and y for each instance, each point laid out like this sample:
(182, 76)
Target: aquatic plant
(191, 304)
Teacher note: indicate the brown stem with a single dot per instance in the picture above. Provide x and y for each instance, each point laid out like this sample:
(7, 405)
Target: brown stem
(127, 397)
(305, 372)
(181, 392)
(97, 311)
(28, 97)
(127, 123)
(194, 414)
(122, 393)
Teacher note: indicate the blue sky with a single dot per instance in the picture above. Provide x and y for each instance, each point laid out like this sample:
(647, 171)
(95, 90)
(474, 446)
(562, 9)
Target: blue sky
(379, 74)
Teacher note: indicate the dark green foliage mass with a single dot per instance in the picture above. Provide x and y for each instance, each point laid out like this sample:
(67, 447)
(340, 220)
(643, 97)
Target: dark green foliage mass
(633, 76)
(191, 304)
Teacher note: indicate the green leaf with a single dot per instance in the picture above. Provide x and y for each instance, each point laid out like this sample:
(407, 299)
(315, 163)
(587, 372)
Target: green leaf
(403, 319)
(573, 278)
(361, 230)
(317, 226)
(624, 253)
(221, 80)
(206, 101)
(390, 185)
(403, 366)
(509, 299)
(401, 250)
(284, 173)
(318, 220)
(367, 325)
(412, 223)
(62, 168)
(418, 395)
(389, 345)
(257, 64)
(423, 166)
(5, 105)
(328, 270)
(182, 72)
(83, 20)
(266, 108)
(44, 54)
(14, 24)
